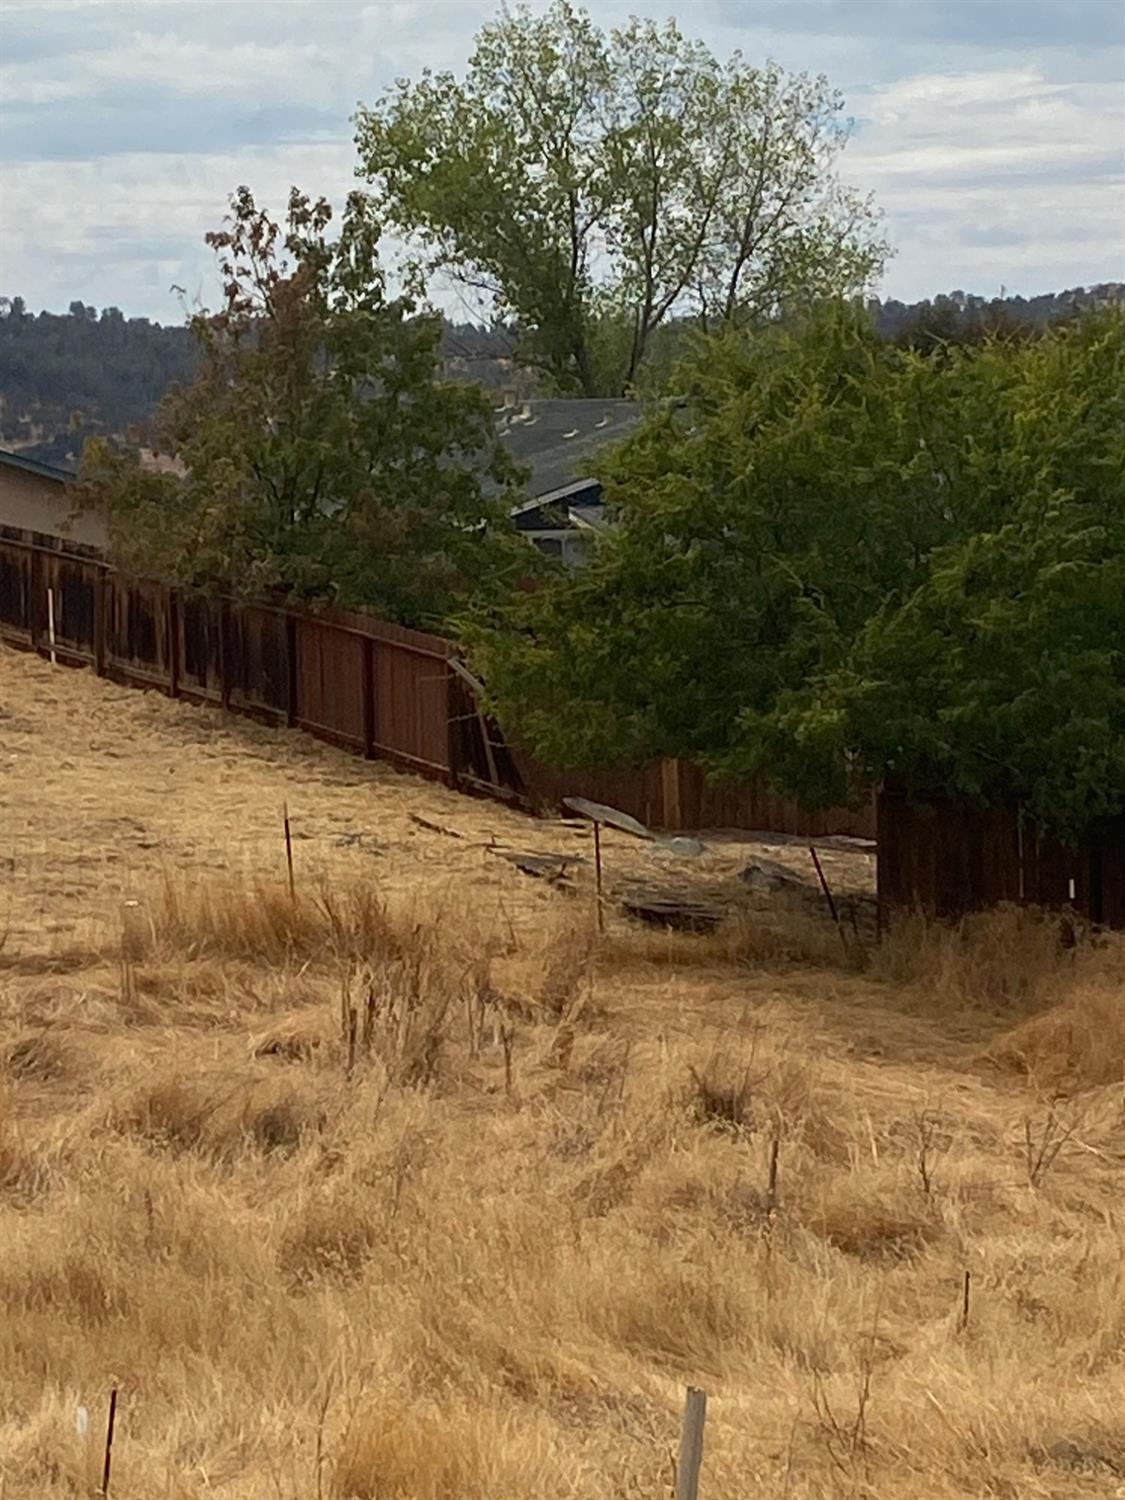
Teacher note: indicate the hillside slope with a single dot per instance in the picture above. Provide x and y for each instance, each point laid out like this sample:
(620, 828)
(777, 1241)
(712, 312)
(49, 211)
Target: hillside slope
(475, 1243)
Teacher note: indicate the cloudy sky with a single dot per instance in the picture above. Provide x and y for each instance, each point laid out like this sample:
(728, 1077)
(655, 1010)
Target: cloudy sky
(992, 132)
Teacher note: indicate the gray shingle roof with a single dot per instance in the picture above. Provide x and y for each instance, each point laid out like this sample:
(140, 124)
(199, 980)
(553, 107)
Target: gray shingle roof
(560, 440)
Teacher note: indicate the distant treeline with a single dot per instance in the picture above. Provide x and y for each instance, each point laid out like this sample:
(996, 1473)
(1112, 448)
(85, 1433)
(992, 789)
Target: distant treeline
(65, 376)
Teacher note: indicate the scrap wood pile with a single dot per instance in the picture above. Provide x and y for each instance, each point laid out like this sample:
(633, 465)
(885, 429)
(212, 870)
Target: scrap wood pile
(698, 898)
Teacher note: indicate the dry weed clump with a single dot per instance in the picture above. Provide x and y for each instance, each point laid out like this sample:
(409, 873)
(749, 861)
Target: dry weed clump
(873, 1217)
(1077, 1044)
(264, 923)
(38, 1058)
(402, 1450)
(1008, 958)
(221, 1113)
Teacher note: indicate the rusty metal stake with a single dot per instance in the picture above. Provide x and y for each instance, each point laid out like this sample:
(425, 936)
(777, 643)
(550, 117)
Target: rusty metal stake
(353, 1020)
(828, 897)
(109, 1440)
(289, 852)
(598, 873)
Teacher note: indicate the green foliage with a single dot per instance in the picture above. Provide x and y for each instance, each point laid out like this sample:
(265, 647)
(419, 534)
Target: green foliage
(1003, 675)
(323, 459)
(839, 562)
(595, 186)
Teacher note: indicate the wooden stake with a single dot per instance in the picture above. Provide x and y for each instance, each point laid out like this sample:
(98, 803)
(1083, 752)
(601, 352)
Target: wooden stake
(289, 852)
(368, 1021)
(109, 1440)
(771, 1189)
(691, 1444)
(598, 873)
(353, 1021)
(506, 1042)
(469, 1019)
(828, 896)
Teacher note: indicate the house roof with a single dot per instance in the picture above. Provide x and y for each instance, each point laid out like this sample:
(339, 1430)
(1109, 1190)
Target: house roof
(559, 440)
(33, 466)
(45, 509)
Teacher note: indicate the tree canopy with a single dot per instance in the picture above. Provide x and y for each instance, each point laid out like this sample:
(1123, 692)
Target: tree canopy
(837, 562)
(1002, 676)
(321, 456)
(593, 186)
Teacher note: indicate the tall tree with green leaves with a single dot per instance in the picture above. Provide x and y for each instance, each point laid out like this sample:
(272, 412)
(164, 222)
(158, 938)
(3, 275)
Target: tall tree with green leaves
(1001, 677)
(591, 187)
(321, 456)
(838, 562)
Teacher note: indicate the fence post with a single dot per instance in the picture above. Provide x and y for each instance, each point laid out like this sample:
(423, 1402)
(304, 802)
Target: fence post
(691, 1444)
(291, 668)
(224, 673)
(51, 625)
(173, 627)
(34, 587)
(99, 620)
(453, 695)
(671, 795)
(368, 697)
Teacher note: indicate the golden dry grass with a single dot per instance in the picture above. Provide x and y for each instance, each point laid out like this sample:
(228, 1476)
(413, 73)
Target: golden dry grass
(479, 1252)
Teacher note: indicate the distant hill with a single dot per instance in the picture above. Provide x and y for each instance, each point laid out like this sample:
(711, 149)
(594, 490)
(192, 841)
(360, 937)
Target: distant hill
(65, 376)
(962, 317)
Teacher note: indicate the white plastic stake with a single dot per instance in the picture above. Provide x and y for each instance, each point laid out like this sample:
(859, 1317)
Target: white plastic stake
(51, 624)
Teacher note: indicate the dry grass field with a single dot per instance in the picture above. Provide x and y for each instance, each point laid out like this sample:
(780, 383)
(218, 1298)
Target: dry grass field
(475, 1242)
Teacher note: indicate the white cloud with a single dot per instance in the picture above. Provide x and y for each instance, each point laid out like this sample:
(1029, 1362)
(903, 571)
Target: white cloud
(126, 229)
(995, 177)
(133, 121)
(252, 69)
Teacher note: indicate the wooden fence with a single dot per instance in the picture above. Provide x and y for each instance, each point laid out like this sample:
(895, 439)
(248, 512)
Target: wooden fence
(402, 696)
(378, 689)
(949, 860)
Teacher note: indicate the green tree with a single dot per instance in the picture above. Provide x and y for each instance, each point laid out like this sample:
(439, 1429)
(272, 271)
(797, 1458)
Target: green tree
(1002, 676)
(321, 456)
(595, 186)
(749, 545)
(838, 562)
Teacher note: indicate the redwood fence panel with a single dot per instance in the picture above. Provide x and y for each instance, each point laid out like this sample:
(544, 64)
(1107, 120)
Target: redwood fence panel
(330, 663)
(705, 804)
(637, 791)
(136, 631)
(15, 583)
(258, 661)
(196, 627)
(947, 860)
